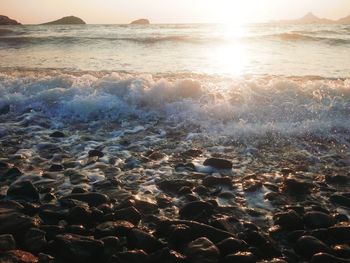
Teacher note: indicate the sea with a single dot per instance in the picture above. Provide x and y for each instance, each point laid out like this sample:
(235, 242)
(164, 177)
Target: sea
(227, 81)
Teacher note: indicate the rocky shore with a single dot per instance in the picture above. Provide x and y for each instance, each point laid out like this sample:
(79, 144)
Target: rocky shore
(137, 192)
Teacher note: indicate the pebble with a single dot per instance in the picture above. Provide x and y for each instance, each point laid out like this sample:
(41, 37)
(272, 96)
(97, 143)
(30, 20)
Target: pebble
(23, 190)
(240, 257)
(195, 210)
(308, 246)
(138, 239)
(231, 246)
(7, 242)
(327, 258)
(202, 250)
(289, 220)
(317, 219)
(57, 134)
(93, 199)
(218, 163)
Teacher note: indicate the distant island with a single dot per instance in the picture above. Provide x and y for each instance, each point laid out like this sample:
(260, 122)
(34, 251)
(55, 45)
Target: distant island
(6, 21)
(310, 18)
(142, 21)
(68, 20)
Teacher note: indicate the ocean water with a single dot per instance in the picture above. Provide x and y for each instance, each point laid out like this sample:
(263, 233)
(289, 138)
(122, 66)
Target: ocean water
(228, 81)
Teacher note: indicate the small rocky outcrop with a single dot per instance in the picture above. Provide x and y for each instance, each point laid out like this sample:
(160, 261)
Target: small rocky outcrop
(6, 21)
(142, 21)
(68, 20)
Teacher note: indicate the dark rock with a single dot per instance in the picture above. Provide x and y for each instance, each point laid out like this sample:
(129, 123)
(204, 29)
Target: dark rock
(192, 153)
(337, 179)
(78, 190)
(93, 199)
(218, 163)
(289, 220)
(11, 174)
(202, 250)
(333, 235)
(254, 238)
(79, 215)
(4, 109)
(68, 20)
(115, 228)
(141, 21)
(138, 239)
(340, 200)
(231, 246)
(93, 153)
(16, 224)
(156, 156)
(130, 214)
(211, 181)
(165, 228)
(342, 251)
(77, 230)
(4, 20)
(327, 258)
(52, 214)
(51, 231)
(131, 256)
(180, 234)
(49, 197)
(174, 186)
(307, 246)
(111, 246)
(146, 207)
(56, 168)
(295, 186)
(195, 210)
(75, 248)
(7, 242)
(168, 256)
(240, 257)
(35, 240)
(57, 134)
(316, 219)
(18, 256)
(23, 190)
(45, 258)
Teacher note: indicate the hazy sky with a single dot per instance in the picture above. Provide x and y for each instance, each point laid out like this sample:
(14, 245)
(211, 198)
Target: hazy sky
(171, 11)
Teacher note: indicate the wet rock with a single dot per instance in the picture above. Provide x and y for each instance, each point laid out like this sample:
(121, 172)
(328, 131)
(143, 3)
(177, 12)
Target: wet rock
(76, 178)
(296, 186)
(252, 185)
(130, 214)
(342, 251)
(174, 186)
(337, 179)
(93, 199)
(164, 228)
(114, 228)
(146, 207)
(307, 246)
(77, 229)
(111, 246)
(316, 219)
(340, 200)
(195, 210)
(254, 238)
(51, 231)
(35, 240)
(180, 234)
(52, 214)
(289, 220)
(240, 257)
(156, 156)
(11, 174)
(327, 258)
(80, 215)
(23, 190)
(75, 248)
(57, 134)
(131, 256)
(4, 109)
(211, 181)
(202, 250)
(56, 168)
(231, 246)
(45, 258)
(218, 163)
(167, 255)
(18, 256)
(333, 235)
(93, 153)
(7, 242)
(192, 153)
(142, 240)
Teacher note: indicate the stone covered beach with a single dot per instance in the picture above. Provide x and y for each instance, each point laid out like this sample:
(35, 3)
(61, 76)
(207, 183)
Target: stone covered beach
(136, 192)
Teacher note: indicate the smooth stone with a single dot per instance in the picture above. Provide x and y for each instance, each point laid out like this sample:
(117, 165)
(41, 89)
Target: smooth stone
(35, 240)
(111, 246)
(93, 199)
(202, 250)
(211, 181)
(192, 153)
(75, 248)
(240, 257)
(167, 255)
(155, 156)
(195, 210)
(342, 251)
(180, 234)
(307, 246)
(174, 186)
(51, 231)
(56, 168)
(57, 134)
(333, 235)
(17, 224)
(138, 239)
(45, 258)
(337, 179)
(23, 190)
(130, 214)
(114, 228)
(130, 256)
(18, 256)
(327, 258)
(146, 207)
(80, 215)
(289, 220)
(11, 174)
(296, 186)
(52, 214)
(93, 153)
(231, 246)
(218, 163)
(340, 200)
(7, 242)
(316, 219)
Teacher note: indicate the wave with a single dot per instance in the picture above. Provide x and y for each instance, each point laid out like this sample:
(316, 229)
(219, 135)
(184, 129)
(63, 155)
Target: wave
(302, 37)
(226, 107)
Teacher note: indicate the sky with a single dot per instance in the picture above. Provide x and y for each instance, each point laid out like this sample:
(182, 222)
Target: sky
(171, 11)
